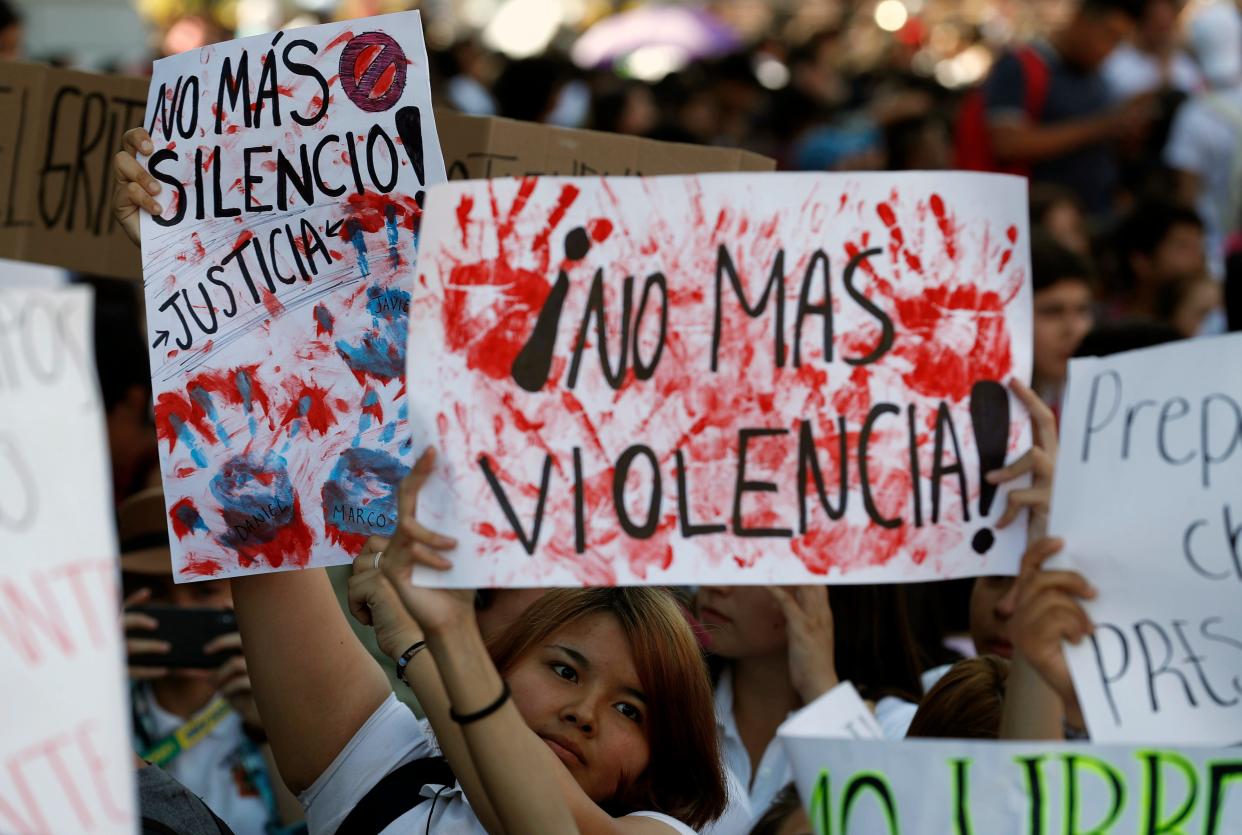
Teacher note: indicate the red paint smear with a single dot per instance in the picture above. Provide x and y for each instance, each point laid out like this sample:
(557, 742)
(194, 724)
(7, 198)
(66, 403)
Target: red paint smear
(569, 193)
(292, 542)
(384, 82)
(947, 229)
(1012, 234)
(464, 207)
(272, 303)
(196, 566)
(351, 542)
(375, 410)
(885, 212)
(319, 416)
(179, 527)
(285, 90)
(243, 239)
(186, 472)
(231, 129)
(599, 229)
(947, 371)
(223, 383)
(369, 208)
(173, 405)
(210, 156)
(345, 36)
(364, 60)
(1004, 261)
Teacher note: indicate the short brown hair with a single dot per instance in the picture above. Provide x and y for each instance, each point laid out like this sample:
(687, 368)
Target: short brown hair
(684, 777)
(966, 703)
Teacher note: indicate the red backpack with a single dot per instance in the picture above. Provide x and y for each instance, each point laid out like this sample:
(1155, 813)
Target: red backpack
(972, 144)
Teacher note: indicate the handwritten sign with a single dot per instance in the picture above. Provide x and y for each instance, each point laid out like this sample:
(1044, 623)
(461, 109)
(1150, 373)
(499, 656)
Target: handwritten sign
(1147, 499)
(277, 288)
(57, 141)
(733, 378)
(483, 147)
(864, 787)
(65, 761)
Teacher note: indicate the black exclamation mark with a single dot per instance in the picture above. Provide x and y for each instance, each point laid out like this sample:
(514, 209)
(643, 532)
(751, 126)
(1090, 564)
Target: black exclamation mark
(531, 366)
(989, 415)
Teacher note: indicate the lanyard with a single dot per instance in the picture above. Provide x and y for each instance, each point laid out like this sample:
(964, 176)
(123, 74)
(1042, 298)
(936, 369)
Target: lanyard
(195, 730)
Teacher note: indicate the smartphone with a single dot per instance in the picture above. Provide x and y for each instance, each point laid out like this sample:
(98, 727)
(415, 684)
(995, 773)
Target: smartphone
(187, 630)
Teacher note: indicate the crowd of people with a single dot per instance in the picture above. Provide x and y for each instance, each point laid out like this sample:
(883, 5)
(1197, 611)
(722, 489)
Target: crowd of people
(651, 710)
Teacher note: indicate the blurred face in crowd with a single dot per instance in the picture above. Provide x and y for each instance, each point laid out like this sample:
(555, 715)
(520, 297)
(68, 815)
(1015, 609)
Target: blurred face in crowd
(1158, 30)
(740, 621)
(11, 43)
(1066, 224)
(1094, 36)
(1063, 316)
(991, 607)
(579, 691)
(209, 594)
(1199, 300)
(1181, 253)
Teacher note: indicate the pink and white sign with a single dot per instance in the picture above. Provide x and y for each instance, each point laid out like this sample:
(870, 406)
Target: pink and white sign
(733, 378)
(277, 285)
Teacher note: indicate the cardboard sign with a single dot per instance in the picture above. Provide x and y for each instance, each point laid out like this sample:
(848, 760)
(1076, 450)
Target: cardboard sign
(60, 132)
(969, 787)
(731, 378)
(840, 712)
(277, 288)
(1147, 499)
(65, 760)
(483, 147)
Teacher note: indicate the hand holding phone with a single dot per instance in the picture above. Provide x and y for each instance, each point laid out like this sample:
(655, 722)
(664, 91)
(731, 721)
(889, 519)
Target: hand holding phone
(160, 638)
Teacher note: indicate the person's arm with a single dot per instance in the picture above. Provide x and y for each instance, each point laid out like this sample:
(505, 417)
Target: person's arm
(314, 684)
(528, 788)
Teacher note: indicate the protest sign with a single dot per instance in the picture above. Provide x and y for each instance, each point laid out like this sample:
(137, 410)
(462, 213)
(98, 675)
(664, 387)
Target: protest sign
(973, 787)
(56, 147)
(840, 712)
(1146, 498)
(483, 147)
(65, 761)
(732, 378)
(277, 288)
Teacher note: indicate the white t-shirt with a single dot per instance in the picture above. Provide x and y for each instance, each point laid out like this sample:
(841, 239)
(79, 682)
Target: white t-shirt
(392, 737)
(775, 771)
(1128, 71)
(211, 769)
(1205, 142)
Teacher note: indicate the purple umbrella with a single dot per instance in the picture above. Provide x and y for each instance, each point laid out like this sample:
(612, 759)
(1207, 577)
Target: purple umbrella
(694, 31)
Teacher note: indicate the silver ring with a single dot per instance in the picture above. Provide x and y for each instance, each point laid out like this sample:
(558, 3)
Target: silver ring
(378, 556)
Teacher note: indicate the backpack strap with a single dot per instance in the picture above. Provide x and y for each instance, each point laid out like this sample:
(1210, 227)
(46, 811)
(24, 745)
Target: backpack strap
(397, 793)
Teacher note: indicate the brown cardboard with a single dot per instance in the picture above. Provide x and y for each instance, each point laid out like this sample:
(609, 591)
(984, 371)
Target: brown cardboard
(57, 140)
(477, 147)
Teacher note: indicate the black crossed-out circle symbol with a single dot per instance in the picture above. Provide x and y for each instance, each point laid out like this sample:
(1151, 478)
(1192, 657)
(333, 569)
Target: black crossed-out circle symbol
(373, 71)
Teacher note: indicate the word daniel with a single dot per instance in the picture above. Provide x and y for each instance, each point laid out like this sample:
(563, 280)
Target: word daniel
(530, 370)
(372, 75)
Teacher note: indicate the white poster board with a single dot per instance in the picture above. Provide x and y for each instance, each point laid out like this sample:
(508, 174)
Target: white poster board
(277, 285)
(973, 787)
(65, 760)
(727, 378)
(1148, 499)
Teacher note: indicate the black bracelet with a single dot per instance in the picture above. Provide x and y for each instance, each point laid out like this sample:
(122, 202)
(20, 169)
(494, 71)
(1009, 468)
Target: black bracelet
(485, 712)
(407, 657)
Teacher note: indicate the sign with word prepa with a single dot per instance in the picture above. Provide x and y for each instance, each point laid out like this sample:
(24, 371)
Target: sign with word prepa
(277, 288)
(734, 378)
(65, 760)
(1148, 499)
(972, 787)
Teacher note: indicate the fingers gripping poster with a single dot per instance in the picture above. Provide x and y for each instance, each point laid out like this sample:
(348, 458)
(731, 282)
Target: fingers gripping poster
(731, 378)
(293, 167)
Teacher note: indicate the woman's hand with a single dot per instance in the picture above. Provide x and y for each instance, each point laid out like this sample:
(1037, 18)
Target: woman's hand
(141, 646)
(809, 630)
(231, 679)
(375, 603)
(411, 544)
(135, 188)
(1048, 611)
(1040, 461)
